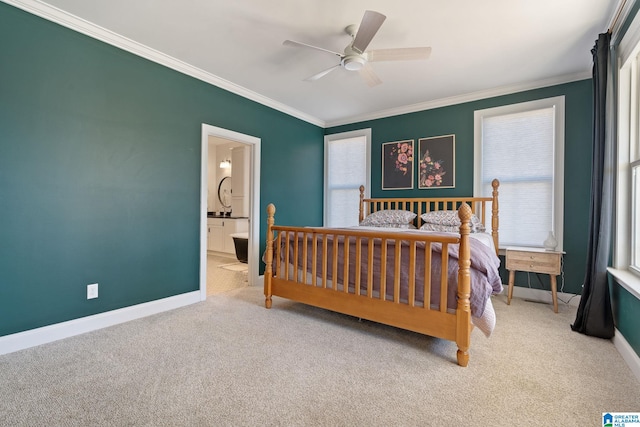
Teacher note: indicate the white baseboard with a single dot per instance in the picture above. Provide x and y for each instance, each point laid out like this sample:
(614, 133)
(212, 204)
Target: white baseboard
(541, 295)
(627, 352)
(58, 331)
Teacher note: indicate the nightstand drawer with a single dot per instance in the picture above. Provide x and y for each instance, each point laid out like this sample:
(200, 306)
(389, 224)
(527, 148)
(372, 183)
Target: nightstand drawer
(536, 262)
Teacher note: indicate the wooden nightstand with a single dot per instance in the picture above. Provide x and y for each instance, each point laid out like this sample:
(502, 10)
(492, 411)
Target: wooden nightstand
(534, 260)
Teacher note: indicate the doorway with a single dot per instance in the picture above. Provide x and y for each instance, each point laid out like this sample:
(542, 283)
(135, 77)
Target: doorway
(253, 145)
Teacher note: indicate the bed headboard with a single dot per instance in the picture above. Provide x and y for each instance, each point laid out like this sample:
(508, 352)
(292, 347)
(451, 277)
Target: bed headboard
(429, 204)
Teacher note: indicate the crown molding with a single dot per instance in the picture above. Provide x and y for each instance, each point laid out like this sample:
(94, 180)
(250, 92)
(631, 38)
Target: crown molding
(87, 28)
(618, 18)
(460, 99)
(58, 16)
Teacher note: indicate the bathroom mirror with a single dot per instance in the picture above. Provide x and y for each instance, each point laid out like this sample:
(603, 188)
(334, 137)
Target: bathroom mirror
(224, 192)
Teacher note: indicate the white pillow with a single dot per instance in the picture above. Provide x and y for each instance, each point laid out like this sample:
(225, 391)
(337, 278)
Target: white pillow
(392, 225)
(444, 220)
(389, 218)
(427, 226)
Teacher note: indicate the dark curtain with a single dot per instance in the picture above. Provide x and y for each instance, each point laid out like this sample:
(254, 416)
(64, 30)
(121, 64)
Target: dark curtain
(594, 315)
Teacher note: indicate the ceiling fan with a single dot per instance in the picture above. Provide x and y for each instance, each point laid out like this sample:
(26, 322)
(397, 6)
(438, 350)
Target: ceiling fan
(355, 56)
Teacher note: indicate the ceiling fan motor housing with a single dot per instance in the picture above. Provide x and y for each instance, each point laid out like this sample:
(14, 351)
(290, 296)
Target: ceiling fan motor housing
(353, 62)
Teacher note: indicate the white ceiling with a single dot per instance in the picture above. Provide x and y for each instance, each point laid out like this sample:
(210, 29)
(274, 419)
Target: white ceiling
(479, 47)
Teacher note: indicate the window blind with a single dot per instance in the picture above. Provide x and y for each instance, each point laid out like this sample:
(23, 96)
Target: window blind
(518, 149)
(346, 172)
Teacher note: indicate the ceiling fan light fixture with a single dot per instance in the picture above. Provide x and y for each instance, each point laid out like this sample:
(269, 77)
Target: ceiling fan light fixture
(353, 63)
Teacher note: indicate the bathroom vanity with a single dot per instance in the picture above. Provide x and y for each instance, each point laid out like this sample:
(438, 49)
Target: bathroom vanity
(220, 229)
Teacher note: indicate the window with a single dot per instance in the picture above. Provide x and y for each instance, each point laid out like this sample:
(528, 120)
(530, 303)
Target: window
(626, 254)
(627, 245)
(346, 164)
(635, 213)
(522, 145)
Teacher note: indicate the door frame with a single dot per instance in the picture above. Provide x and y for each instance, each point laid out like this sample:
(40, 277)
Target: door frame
(254, 200)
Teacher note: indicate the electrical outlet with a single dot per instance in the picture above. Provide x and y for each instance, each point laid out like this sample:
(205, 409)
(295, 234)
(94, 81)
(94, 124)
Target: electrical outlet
(92, 291)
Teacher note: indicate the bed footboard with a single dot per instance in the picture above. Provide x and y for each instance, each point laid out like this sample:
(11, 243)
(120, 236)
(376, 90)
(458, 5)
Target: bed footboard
(400, 279)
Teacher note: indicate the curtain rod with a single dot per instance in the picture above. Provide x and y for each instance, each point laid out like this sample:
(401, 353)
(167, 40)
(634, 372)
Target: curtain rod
(614, 22)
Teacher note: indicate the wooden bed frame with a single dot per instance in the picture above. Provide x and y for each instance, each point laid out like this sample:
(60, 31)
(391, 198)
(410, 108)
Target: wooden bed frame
(317, 290)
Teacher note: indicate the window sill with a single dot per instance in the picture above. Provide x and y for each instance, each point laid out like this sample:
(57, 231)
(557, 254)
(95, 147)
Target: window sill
(627, 280)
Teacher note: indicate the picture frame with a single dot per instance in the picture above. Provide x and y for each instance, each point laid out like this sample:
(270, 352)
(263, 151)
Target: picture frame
(437, 161)
(397, 165)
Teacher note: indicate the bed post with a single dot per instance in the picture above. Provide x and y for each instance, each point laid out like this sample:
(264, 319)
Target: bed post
(494, 213)
(463, 312)
(361, 217)
(268, 271)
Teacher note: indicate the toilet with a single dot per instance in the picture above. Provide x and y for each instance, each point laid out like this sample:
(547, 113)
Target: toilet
(241, 243)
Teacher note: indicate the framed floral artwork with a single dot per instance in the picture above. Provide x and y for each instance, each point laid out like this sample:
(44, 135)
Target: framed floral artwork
(397, 165)
(437, 162)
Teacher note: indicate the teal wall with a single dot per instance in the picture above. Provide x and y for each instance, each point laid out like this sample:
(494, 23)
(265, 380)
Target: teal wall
(625, 313)
(100, 172)
(458, 120)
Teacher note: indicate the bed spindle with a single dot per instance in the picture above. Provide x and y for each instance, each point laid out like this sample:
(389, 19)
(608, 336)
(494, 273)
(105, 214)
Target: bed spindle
(305, 248)
(334, 263)
(494, 213)
(345, 260)
(268, 271)
(314, 257)
(325, 261)
(370, 247)
(278, 254)
(396, 272)
(383, 269)
(296, 259)
(287, 251)
(358, 264)
(444, 277)
(463, 312)
(412, 274)
(426, 291)
(361, 208)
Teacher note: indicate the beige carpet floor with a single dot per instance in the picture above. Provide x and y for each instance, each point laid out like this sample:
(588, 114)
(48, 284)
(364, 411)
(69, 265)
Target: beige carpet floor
(228, 361)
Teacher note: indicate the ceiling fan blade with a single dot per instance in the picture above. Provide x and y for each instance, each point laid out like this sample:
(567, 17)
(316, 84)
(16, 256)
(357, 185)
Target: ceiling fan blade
(321, 74)
(298, 44)
(400, 54)
(369, 76)
(371, 23)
